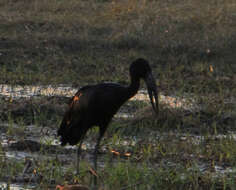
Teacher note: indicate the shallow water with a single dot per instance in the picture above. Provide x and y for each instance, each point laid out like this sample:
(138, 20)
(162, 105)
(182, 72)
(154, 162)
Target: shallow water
(29, 91)
(219, 171)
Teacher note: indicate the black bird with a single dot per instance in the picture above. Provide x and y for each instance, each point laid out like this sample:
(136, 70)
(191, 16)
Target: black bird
(95, 105)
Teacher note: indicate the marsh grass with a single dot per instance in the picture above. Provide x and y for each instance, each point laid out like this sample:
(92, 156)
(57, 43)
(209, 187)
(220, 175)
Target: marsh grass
(191, 48)
(87, 40)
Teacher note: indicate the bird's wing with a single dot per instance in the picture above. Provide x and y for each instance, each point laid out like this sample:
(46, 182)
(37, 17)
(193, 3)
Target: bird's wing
(105, 99)
(75, 98)
(73, 115)
(91, 105)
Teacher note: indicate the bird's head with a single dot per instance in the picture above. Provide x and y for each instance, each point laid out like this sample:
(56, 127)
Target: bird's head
(140, 68)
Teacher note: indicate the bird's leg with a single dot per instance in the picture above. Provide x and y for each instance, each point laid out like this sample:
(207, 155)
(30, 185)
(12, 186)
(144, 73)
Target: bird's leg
(95, 153)
(101, 133)
(78, 156)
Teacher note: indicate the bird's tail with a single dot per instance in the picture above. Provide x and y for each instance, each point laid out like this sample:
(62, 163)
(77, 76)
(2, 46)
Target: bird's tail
(63, 131)
(70, 131)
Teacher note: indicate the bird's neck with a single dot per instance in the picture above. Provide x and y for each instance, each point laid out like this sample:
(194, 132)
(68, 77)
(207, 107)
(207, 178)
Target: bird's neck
(133, 87)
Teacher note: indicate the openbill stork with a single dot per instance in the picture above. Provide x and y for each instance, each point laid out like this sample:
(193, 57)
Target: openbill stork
(95, 105)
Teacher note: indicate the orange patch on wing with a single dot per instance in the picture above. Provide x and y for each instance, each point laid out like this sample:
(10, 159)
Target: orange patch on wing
(75, 99)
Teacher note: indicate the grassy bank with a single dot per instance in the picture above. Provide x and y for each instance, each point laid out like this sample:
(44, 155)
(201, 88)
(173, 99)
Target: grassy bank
(79, 42)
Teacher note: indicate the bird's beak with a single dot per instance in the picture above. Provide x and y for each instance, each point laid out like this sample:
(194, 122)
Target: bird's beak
(152, 92)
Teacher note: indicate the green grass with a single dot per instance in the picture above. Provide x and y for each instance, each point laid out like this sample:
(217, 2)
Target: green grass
(80, 42)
